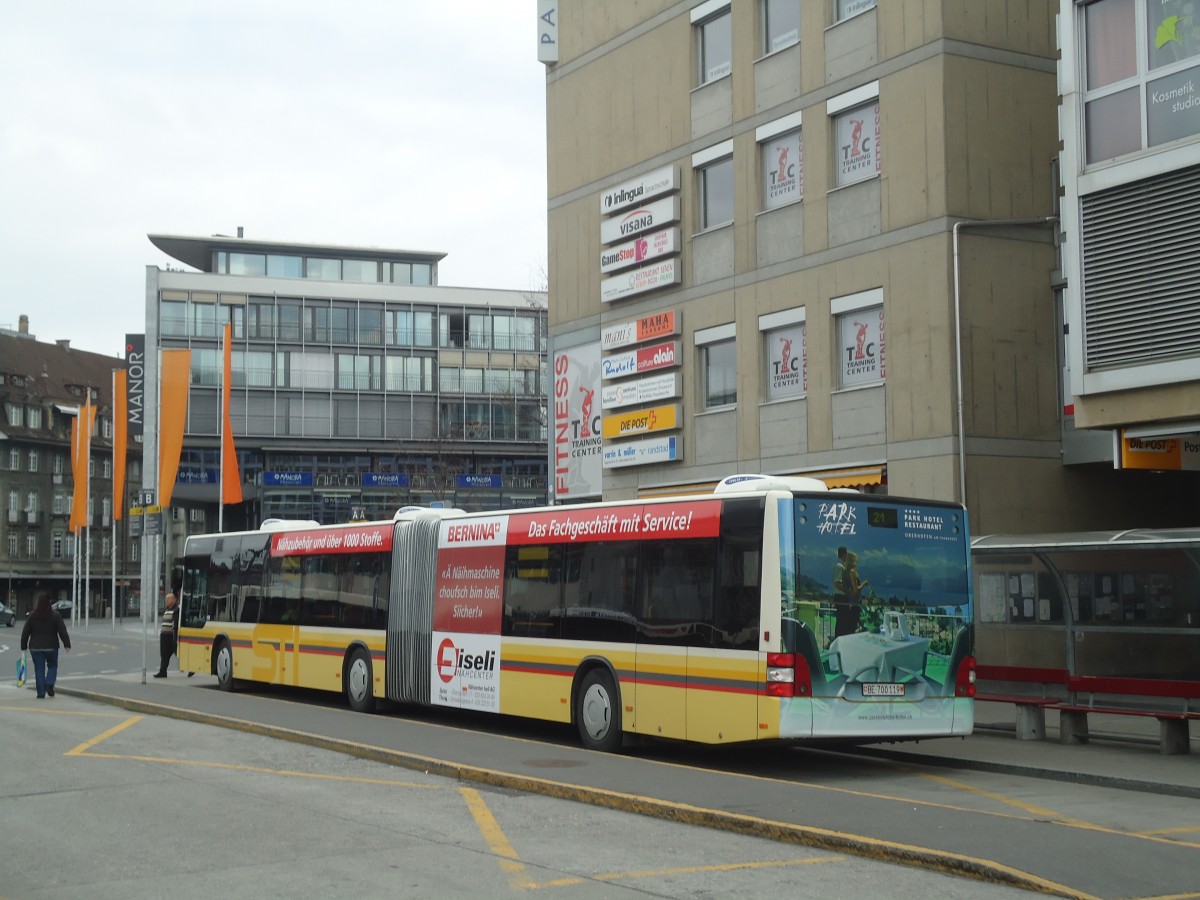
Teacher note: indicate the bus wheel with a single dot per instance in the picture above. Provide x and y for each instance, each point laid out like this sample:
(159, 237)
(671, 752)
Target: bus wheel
(598, 712)
(358, 682)
(223, 666)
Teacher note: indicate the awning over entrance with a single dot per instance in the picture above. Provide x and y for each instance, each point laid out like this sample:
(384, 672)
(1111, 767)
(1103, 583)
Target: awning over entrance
(852, 477)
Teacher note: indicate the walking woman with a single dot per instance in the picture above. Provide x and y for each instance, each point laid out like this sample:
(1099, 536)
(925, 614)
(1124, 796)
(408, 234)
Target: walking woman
(43, 630)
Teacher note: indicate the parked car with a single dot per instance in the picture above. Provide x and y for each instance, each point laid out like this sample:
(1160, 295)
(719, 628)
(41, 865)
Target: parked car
(63, 608)
(7, 616)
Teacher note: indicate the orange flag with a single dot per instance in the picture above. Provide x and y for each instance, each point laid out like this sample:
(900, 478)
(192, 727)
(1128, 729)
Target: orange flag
(81, 454)
(79, 488)
(176, 373)
(120, 438)
(231, 478)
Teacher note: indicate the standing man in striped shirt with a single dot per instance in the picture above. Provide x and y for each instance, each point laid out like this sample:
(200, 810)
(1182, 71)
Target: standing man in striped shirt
(168, 635)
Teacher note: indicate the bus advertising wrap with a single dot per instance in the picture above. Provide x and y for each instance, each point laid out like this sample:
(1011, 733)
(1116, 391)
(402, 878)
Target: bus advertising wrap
(877, 600)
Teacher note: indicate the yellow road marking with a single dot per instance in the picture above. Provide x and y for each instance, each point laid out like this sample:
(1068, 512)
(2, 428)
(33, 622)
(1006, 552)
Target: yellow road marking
(1186, 830)
(260, 770)
(496, 840)
(42, 711)
(689, 870)
(88, 745)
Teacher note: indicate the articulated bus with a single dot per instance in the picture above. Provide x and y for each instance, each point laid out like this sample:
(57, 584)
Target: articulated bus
(715, 618)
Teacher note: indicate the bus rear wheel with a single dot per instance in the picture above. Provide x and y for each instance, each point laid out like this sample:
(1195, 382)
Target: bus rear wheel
(358, 682)
(223, 666)
(598, 712)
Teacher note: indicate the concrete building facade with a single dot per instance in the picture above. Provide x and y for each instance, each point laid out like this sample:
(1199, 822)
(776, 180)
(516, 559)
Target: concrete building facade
(819, 238)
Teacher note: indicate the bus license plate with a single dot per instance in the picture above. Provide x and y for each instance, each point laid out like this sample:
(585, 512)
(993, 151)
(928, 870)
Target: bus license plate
(883, 690)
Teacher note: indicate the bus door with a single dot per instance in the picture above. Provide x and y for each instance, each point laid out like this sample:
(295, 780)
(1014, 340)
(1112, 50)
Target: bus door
(275, 639)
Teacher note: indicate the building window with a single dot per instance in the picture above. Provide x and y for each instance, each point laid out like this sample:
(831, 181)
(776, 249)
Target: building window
(358, 372)
(106, 427)
(14, 459)
(717, 352)
(713, 25)
(409, 373)
(172, 318)
(857, 147)
(31, 503)
(323, 269)
(714, 181)
(56, 465)
(245, 264)
(106, 510)
(56, 545)
(204, 320)
(12, 546)
(107, 468)
(105, 548)
(288, 316)
(33, 460)
(785, 349)
(781, 154)
(781, 24)
(422, 273)
(58, 504)
(1138, 96)
(13, 411)
(261, 321)
(35, 416)
(370, 325)
(849, 8)
(285, 266)
(31, 545)
(858, 326)
(362, 270)
(206, 366)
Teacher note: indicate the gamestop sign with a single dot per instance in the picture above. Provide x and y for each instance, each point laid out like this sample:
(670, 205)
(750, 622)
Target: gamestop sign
(622, 256)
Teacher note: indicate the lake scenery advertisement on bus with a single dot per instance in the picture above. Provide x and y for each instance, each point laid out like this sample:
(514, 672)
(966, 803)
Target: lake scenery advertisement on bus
(876, 596)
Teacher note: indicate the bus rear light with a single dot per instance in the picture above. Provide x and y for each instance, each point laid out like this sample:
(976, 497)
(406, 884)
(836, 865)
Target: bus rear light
(787, 676)
(964, 682)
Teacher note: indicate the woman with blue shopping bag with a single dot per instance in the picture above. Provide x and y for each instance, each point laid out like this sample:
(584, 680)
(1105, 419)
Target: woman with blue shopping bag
(44, 629)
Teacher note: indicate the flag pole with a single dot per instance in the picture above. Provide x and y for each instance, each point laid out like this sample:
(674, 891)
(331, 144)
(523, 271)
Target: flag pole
(223, 413)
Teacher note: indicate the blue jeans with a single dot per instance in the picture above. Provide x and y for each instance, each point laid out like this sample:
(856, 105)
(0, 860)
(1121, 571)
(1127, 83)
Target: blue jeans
(45, 669)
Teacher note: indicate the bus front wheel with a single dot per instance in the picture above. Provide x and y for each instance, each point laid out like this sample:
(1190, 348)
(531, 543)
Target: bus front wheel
(359, 683)
(598, 712)
(223, 666)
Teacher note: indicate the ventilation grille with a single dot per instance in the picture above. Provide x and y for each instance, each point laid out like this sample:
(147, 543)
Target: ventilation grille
(1141, 272)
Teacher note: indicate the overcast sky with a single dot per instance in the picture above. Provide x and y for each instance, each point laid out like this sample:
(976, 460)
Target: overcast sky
(389, 123)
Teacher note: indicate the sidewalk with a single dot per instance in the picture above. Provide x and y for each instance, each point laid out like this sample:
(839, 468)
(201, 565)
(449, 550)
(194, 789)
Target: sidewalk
(1123, 752)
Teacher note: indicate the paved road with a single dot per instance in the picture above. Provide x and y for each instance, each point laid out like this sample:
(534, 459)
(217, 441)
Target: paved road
(1105, 820)
(100, 802)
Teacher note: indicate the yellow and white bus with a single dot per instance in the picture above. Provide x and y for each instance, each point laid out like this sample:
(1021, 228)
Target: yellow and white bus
(717, 618)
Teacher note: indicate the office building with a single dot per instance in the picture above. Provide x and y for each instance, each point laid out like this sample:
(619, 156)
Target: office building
(824, 238)
(359, 384)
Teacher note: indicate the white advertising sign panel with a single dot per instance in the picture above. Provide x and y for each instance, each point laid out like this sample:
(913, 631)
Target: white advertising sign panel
(466, 671)
(660, 181)
(638, 281)
(646, 217)
(643, 453)
(641, 390)
(647, 328)
(651, 246)
(861, 337)
(858, 150)
(646, 359)
(787, 362)
(783, 172)
(575, 440)
(547, 11)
